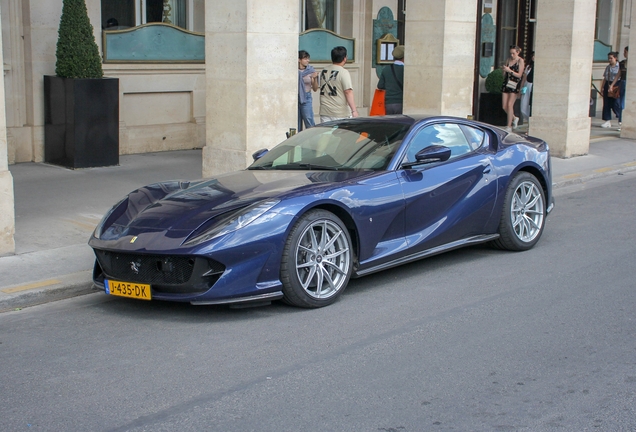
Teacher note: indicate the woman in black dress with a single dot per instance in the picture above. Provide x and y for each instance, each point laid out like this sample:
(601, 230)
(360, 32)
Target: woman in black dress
(513, 69)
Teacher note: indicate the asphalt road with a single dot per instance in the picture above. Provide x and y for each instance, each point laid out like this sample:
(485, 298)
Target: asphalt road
(477, 339)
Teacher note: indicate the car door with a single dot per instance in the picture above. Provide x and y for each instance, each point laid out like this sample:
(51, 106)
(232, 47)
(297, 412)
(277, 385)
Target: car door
(448, 200)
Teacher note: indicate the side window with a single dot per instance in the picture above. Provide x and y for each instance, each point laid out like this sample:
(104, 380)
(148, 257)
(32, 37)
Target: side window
(319, 14)
(474, 136)
(446, 134)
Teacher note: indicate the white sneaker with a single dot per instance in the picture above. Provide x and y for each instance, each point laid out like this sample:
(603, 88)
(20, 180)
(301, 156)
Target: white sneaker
(508, 129)
(515, 122)
(606, 124)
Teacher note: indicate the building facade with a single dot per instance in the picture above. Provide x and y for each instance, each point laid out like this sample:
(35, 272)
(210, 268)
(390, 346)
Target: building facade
(243, 95)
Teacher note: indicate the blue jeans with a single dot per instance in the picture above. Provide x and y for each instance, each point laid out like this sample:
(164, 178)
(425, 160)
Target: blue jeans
(622, 87)
(611, 104)
(306, 113)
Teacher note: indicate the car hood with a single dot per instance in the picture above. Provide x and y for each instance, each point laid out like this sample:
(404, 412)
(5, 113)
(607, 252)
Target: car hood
(179, 208)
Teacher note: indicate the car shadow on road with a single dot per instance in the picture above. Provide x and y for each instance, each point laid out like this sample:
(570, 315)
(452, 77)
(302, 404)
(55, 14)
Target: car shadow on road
(438, 263)
(187, 313)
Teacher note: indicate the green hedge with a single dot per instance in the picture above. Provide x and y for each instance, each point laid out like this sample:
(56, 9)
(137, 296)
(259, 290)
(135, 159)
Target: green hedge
(494, 81)
(77, 53)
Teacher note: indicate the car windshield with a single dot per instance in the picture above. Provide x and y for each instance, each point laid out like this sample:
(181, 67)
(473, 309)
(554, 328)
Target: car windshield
(342, 146)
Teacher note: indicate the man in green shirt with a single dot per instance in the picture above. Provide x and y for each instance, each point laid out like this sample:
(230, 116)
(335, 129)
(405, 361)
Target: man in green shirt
(392, 80)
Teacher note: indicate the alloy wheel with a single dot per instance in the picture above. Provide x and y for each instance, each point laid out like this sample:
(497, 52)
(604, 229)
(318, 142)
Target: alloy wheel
(322, 256)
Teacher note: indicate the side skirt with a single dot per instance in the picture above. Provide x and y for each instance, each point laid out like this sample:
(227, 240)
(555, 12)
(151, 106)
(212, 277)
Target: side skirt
(429, 252)
(257, 298)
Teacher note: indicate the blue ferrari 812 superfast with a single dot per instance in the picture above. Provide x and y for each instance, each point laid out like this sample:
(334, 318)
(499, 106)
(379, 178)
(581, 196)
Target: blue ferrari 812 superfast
(342, 199)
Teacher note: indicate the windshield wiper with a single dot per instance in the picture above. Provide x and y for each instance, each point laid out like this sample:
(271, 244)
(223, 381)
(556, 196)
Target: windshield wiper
(259, 168)
(317, 167)
(306, 166)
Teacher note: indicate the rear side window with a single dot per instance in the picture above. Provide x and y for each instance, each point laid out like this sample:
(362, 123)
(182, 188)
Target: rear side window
(474, 136)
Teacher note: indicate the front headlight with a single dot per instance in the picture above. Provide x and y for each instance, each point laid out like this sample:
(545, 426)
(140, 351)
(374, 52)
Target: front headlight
(236, 221)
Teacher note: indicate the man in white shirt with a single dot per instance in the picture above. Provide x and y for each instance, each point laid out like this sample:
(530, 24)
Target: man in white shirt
(336, 91)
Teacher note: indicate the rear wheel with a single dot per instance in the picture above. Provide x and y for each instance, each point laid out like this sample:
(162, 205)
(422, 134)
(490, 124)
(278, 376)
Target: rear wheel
(523, 215)
(317, 260)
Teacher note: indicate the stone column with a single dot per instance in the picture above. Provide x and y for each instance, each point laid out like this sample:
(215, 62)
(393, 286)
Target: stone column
(41, 23)
(7, 204)
(563, 72)
(439, 57)
(628, 129)
(251, 50)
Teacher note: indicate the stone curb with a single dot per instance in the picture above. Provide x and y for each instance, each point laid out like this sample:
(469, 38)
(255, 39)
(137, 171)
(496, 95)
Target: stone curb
(74, 285)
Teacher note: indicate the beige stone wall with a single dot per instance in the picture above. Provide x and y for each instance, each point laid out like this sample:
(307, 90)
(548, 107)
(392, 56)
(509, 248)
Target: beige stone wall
(7, 212)
(628, 129)
(13, 53)
(40, 33)
(161, 106)
(440, 57)
(30, 34)
(564, 48)
(251, 52)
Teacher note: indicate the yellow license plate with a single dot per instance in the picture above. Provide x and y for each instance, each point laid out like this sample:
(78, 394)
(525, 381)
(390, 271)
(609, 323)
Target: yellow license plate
(128, 289)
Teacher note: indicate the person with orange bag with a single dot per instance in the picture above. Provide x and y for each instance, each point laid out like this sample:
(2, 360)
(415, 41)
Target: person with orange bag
(392, 80)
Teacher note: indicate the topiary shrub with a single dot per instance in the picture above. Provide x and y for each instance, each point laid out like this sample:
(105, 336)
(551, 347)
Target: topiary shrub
(494, 81)
(77, 53)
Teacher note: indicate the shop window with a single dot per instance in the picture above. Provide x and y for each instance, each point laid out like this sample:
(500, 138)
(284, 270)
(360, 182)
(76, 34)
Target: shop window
(319, 14)
(602, 31)
(121, 14)
(508, 29)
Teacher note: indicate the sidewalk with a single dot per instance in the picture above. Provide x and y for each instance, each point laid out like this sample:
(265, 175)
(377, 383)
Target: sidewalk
(57, 210)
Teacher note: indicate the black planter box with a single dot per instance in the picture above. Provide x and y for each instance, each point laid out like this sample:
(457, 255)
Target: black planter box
(491, 111)
(81, 121)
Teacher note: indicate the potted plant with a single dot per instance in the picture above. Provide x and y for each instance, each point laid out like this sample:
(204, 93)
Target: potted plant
(81, 125)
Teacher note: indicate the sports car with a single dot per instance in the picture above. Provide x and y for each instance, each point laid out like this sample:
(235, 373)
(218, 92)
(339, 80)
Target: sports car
(342, 199)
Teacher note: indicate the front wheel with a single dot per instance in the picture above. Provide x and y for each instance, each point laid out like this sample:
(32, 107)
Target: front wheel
(317, 260)
(523, 215)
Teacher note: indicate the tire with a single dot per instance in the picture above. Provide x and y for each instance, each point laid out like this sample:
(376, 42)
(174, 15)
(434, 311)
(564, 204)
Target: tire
(317, 260)
(523, 214)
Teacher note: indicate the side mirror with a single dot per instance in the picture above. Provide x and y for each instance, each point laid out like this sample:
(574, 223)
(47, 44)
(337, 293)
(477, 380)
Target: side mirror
(259, 154)
(430, 154)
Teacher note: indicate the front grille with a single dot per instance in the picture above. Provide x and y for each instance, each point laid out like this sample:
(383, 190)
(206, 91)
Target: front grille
(154, 269)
